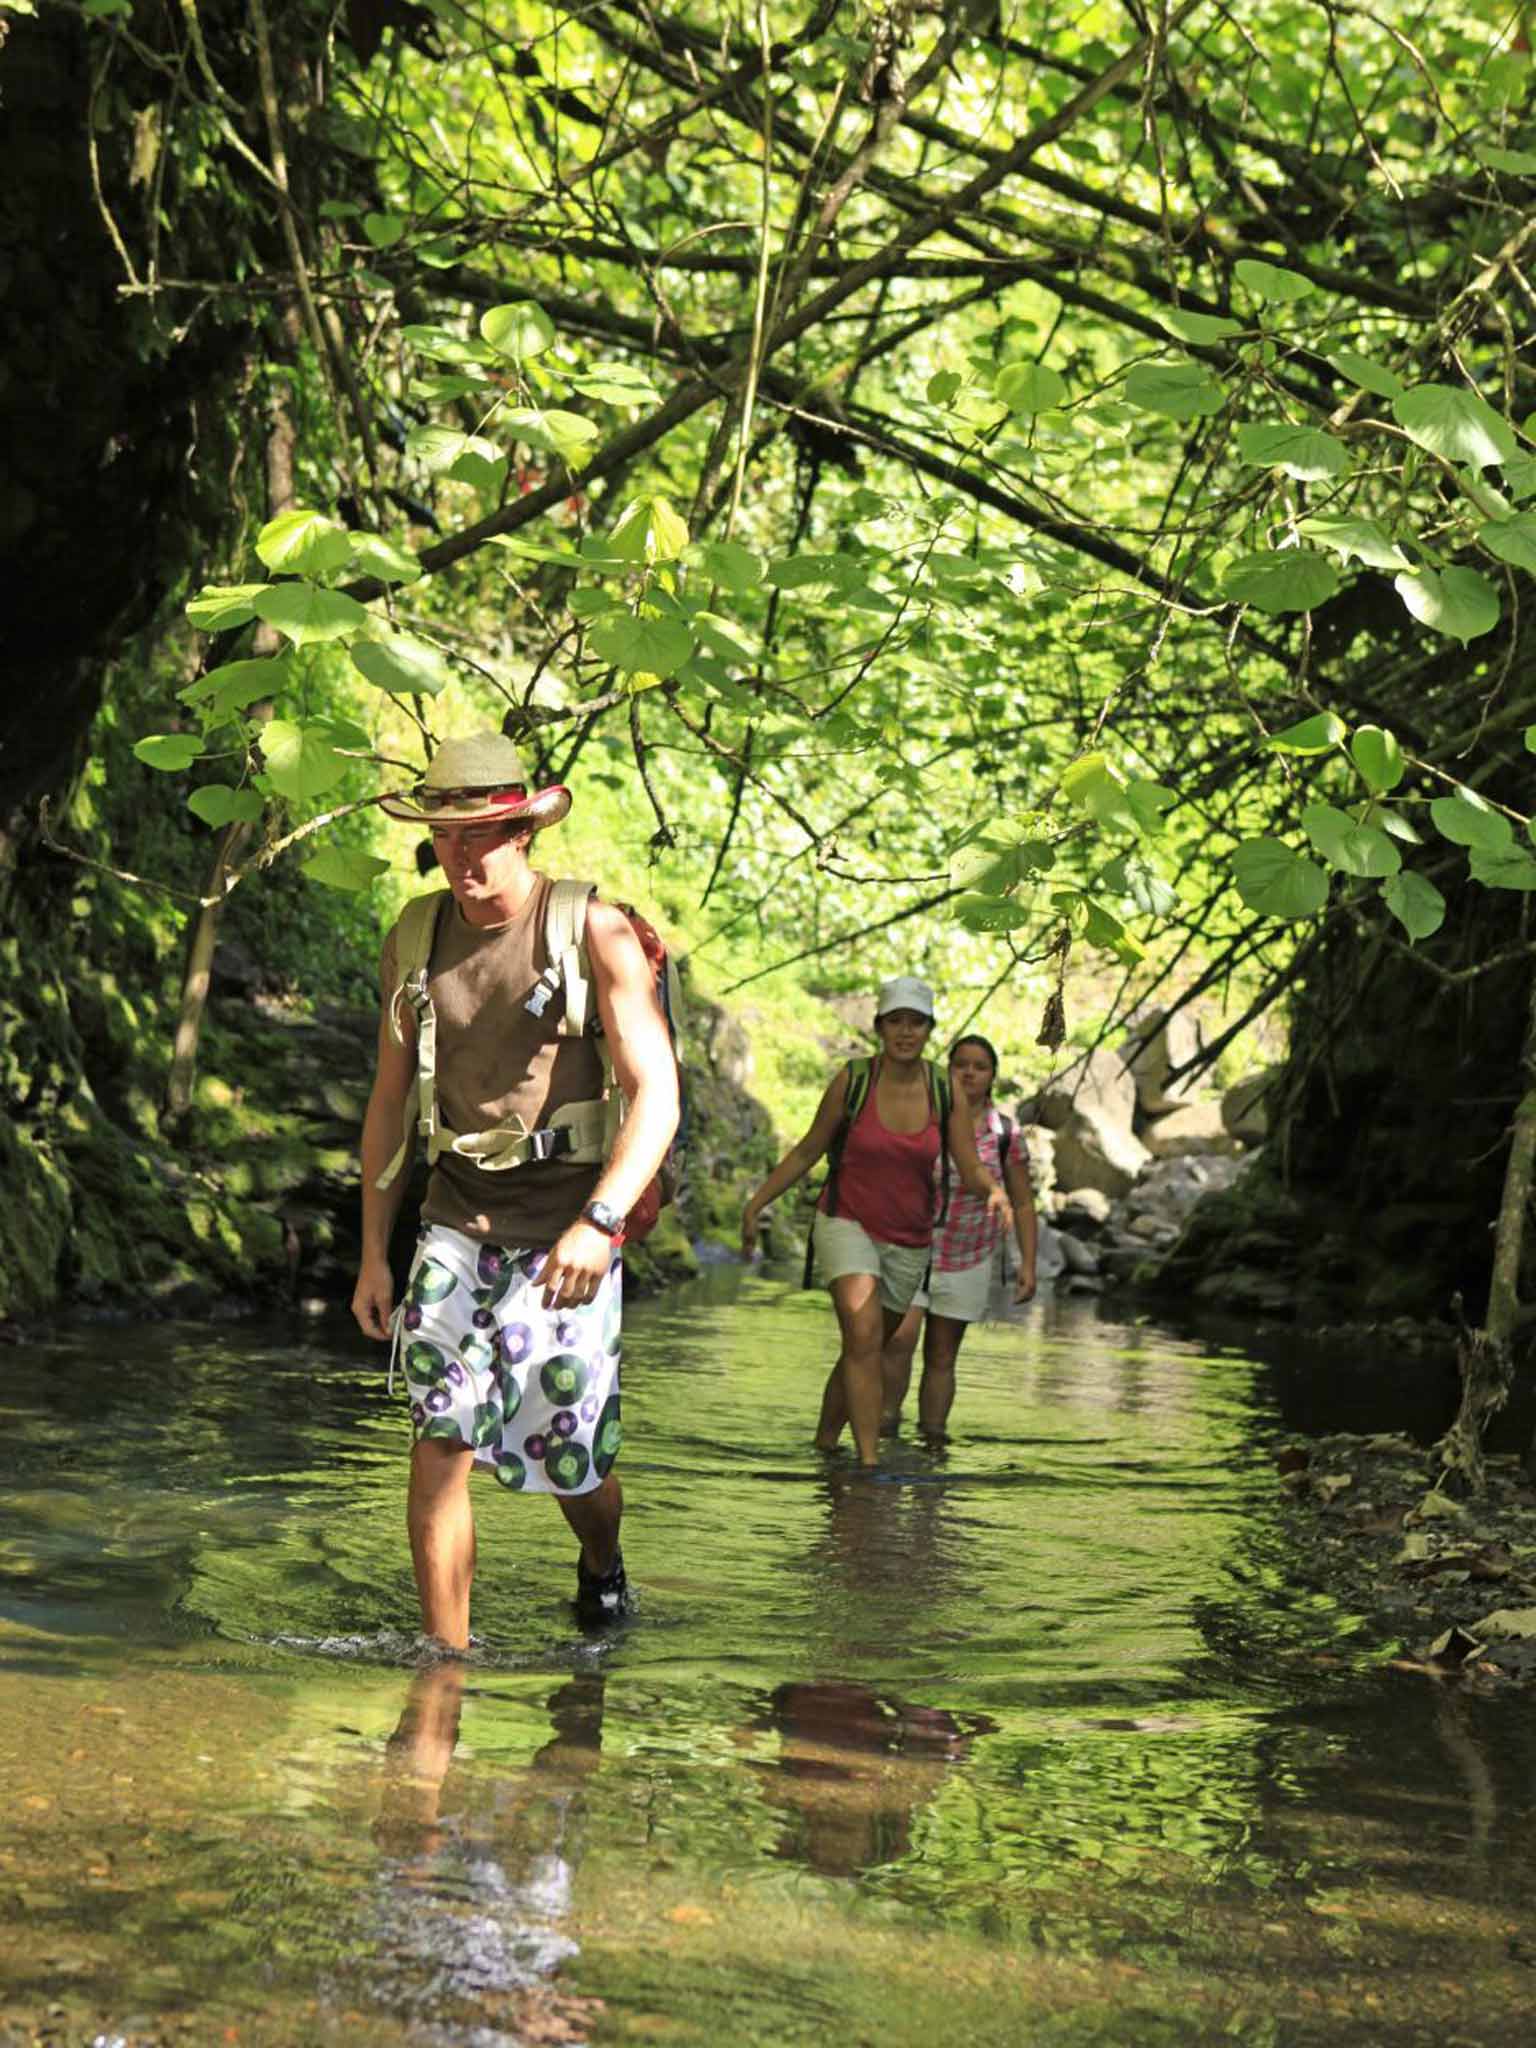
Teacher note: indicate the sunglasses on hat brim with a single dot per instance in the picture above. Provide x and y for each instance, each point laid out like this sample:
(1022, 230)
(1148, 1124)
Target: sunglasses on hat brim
(503, 799)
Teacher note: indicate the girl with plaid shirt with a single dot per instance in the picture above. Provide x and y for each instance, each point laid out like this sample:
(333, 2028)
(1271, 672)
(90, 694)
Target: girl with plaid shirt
(965, 1250)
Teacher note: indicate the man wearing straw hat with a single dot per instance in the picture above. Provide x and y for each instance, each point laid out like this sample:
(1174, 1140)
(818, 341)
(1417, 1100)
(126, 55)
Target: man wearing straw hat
(509, 1328)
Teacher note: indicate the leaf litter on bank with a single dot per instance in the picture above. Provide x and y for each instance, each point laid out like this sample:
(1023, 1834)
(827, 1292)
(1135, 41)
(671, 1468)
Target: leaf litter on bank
(1448, 1586)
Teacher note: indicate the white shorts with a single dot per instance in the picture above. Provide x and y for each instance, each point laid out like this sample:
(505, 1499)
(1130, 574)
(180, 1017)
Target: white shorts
(963, 1294)
(532, 1391)
(843, 1247)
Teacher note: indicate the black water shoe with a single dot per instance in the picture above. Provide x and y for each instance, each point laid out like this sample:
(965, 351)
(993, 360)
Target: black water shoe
(602, 1596)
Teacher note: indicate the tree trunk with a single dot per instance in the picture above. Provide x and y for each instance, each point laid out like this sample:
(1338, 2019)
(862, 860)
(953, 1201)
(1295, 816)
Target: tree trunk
(197, 972)
(1486, 1356)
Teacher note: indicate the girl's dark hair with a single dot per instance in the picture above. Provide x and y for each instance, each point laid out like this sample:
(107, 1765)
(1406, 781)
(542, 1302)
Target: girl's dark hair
(975, 1038)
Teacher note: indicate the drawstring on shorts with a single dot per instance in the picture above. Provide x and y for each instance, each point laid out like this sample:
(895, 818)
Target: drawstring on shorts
(397, 1325)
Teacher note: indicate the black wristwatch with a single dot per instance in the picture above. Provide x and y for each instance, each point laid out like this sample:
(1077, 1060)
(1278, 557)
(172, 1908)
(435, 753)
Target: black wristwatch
(602, 1218)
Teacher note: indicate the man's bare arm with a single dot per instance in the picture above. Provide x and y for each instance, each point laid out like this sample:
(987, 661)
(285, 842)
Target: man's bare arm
(640, 1046)
(394, 1076)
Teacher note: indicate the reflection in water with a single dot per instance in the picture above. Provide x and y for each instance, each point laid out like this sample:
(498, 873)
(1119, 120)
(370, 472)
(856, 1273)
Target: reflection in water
(851, 1769)
(476, 1884)
(1036, 1728)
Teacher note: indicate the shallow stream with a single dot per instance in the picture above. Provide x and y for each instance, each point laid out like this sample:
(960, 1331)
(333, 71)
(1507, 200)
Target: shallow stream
(1037, 1742)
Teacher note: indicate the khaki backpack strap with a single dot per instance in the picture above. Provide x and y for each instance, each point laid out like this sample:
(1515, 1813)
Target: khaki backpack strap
(565, 941)
(414, 935)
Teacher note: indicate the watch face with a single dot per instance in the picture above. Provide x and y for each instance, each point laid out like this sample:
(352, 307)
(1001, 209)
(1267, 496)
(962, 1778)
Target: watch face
(603, 1218)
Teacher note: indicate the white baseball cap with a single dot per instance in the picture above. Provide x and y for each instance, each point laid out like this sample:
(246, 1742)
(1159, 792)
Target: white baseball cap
(904, 992)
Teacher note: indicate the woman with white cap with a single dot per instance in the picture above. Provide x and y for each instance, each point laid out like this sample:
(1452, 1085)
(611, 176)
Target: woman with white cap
(886, 1124)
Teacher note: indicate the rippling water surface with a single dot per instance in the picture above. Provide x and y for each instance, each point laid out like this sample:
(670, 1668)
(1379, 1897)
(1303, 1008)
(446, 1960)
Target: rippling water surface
(1034, 1743)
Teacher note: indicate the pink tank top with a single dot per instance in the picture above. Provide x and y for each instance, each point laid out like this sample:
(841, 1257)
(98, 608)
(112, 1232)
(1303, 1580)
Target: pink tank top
(885, 1181)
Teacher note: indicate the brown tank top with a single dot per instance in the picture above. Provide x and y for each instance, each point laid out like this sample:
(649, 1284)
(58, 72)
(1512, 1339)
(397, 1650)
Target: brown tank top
(496, 1060)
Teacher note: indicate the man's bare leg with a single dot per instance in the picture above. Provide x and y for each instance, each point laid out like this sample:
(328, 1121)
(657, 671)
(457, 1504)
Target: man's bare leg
(595, 1518)
(442, 1530)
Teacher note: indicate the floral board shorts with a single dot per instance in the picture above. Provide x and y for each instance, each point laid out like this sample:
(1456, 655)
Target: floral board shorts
(532, 1391)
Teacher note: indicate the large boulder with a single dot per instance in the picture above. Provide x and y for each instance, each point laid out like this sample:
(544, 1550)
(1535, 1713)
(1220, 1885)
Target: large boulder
(1245, 1106)
(1158, 1042)
(1038, 1146)
(1187, 1132)
(1084, 1210)
(1095, 1149)
(1099, 1082)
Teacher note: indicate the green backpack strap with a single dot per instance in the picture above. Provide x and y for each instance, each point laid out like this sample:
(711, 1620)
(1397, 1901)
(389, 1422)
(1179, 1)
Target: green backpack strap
(414, 936)
(940, 1096)
(860, 1073)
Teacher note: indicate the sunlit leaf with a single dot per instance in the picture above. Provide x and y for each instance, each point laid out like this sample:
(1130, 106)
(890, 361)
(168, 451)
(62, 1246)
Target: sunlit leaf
(569, 435)
(1360, 540)
(657, 647)
(343, 867)
(728, 563)
(1102, 928)
(1135, 878)
(1315, 735)
(170, 752)
(1466, 820)
(942, 386)
(219, 805)
(1460, 602)
(226, 690)
(1519, 163)
(1179, 391)
(519, 330)
(1281, 580)
(649, 530)
(1277, 881)
(1512, 540)
(1270, 282)
(401, 665)
(299, 761)
(989, 913)
(614, 384)
(1508, 867)
(1369, 376)
(218, 608)
(1454, 423)
(304, 614)
(1097, 789)
(1378, 756)
(1030, 387)
(1416, 903)
(1305, 453)
(303, 543)
(1200, 329)
(1346, 844)
(383, 229)
(373, 555)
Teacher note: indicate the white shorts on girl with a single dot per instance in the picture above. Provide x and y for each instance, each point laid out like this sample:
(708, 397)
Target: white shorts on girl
(532, 1391)
(963, 1295)
(843, 1247)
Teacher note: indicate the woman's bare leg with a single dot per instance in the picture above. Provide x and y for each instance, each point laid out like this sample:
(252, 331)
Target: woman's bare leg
(936, 1390)
(896, 1368)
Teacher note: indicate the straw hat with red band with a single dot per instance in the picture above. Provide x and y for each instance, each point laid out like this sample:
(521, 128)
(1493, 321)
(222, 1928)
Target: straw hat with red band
(477, 780)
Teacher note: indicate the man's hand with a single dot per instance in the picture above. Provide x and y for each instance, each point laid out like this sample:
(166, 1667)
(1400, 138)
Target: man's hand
(1025, 1289)
(574, 1270)
(749, 1217)
(374, 1298)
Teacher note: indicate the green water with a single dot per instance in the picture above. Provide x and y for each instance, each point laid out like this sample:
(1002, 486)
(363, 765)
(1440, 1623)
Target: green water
(1028, 1745)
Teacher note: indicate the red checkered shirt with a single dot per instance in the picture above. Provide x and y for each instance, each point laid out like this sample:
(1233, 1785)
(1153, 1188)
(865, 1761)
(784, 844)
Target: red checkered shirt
(970, 1232)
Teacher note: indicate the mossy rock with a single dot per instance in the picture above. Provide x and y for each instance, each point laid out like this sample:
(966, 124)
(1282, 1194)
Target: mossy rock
(35, 1217)
(661, 1259)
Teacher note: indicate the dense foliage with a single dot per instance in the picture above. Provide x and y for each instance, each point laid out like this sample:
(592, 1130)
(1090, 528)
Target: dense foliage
(1076, 475)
